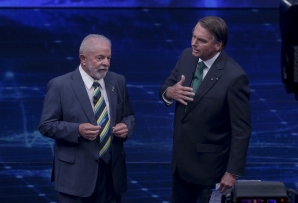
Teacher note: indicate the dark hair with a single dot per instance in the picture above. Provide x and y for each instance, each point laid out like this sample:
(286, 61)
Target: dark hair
(217, 27)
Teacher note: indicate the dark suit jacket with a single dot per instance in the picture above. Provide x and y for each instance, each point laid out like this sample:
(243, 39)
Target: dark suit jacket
(212, 137)
(66, 106)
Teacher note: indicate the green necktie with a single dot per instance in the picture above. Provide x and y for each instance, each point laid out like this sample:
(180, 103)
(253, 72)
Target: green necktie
(197, 80)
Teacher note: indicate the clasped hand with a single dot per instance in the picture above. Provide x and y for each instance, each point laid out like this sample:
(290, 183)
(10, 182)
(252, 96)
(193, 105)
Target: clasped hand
(90, 132)
(180, 93)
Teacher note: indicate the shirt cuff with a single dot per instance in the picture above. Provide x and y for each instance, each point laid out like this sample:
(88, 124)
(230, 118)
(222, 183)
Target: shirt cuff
(168, 102)
(237, 176)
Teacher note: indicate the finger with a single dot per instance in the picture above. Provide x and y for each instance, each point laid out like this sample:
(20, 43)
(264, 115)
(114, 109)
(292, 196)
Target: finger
(122, 135)
(119, 128)
(124, 131)
(182, 101)
(182, 80)
(89, 137)
(94, 127)
(93, 138)
(222, 185)
(223, 189)
(186, 89)
(187, 99)
(114, 129)
(92, 132)
(226, 187)
(119, 132)
(188, 94)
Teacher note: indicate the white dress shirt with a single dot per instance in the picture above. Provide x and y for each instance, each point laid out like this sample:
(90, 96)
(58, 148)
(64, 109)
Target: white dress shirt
(88, 81)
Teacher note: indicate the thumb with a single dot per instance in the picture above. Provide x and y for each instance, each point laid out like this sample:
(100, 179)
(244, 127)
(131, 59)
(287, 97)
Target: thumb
(182, 80)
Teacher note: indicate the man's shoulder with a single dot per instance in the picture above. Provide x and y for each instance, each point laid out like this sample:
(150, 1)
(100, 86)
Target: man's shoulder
(114, 75)
(230, 61)
(63, 78)
(231, 65)
(187, 54)
(187, 51)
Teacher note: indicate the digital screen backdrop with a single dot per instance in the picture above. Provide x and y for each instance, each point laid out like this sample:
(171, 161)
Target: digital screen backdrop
(37, 45)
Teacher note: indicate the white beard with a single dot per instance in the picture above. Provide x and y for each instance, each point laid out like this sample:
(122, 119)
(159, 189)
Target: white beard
(95, 71)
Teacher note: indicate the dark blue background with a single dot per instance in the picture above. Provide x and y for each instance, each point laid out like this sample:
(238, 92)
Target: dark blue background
(39, 44)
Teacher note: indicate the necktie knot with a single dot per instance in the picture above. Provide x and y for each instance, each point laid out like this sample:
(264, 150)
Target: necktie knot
(199, 70)
(201, 66)
(96, 84)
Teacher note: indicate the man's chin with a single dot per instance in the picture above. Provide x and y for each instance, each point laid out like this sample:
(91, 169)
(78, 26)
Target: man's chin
(195, 53)
(99, 76)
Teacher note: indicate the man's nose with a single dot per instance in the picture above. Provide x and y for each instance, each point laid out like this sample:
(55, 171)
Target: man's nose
(106, 62)
(194, 42)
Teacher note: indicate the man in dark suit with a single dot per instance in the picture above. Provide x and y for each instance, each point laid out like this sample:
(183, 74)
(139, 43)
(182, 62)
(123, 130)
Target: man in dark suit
(212, 124)
(80, 172)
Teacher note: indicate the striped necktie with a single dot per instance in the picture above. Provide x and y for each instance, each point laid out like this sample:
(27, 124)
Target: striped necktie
(102, 119)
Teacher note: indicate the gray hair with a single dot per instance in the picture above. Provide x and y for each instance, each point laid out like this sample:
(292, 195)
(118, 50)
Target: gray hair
(217, 27)
(87, 44)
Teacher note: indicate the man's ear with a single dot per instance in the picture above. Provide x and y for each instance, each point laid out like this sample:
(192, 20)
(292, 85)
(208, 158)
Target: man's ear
(83, 59)
(218, 46)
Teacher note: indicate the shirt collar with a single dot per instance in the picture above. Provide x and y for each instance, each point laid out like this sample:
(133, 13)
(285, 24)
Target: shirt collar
(210, 62)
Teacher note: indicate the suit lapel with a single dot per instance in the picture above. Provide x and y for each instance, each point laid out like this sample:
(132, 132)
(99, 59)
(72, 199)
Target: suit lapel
(188, 72)
(112, 96)
(211, 78)
(79, 89)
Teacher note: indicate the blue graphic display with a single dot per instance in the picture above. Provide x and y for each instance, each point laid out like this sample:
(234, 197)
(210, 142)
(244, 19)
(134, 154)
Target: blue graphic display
(142, 3)
(39, 44)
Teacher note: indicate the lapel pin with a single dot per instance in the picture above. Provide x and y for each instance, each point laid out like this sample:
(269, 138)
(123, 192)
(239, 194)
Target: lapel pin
(113, 88)
(211, 78)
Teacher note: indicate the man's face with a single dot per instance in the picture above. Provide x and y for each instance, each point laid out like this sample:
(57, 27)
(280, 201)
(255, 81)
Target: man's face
(202, 43)
(97, 62)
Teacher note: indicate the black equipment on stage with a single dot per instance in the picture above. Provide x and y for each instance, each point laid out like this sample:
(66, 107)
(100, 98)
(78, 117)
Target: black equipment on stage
(289, 50)
(259, 192)
(253, 191)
